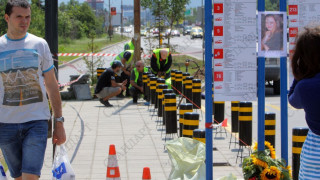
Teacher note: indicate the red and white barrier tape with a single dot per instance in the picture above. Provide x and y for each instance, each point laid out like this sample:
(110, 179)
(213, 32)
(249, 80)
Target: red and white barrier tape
(112, 55)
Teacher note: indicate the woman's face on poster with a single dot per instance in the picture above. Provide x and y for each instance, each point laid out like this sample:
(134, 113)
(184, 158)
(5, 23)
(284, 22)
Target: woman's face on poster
(271, 24)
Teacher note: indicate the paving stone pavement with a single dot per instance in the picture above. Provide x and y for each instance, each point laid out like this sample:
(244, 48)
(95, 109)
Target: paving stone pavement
(91, 128)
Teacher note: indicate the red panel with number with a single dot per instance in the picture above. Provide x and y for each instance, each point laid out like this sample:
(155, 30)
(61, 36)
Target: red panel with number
(218, 8)
(293, 9)
(293, 31)
(218, 76)
(218, 53)
(218, 31)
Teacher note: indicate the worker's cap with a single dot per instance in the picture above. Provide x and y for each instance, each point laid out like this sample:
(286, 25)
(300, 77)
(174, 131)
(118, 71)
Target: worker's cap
(116, 64)
(127, 55)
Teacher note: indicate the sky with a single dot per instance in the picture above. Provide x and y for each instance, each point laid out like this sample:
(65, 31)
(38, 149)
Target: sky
(117, 3)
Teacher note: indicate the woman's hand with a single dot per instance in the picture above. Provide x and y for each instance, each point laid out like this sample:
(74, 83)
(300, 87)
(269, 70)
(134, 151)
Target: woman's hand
(266, 36)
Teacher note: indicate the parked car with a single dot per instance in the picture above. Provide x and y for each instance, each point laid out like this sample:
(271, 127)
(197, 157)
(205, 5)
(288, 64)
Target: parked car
(196, 32)
(273, 74)
(175, 33)
(143, 32)
(155, 31)
(187, 30)
(127, 30)
(167, 32)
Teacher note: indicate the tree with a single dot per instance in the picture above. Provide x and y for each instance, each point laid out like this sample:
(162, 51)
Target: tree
(174, 13)
(37, 26)
(93, 64)
(169, 10)
(272, 5)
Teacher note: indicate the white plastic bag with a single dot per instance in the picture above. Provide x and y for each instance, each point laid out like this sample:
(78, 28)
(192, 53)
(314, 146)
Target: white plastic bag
(2, 173)
(61, 169)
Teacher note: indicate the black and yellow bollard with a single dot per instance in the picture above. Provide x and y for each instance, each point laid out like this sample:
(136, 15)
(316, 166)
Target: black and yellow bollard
(184, 108)
(100, 71)
(188, 89)
(173, 79)
(218, 112)
(145, 84)
(190, 123)
(170, 109)
(270, 128)
(147, 93)
(164, 92)
(196, 93)
(159, 81)
(234, 121)
(235, 116)
(184, 76)
(178, 82)
(245, 124)
(299, 135)
(160, 89)
(245, 128)
(200, 135)
(153, 87)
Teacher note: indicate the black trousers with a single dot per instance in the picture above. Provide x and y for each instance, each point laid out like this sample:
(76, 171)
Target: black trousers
(134, 93)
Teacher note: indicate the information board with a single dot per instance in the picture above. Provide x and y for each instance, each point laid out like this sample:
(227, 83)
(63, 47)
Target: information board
(235, 39)
(302, 13)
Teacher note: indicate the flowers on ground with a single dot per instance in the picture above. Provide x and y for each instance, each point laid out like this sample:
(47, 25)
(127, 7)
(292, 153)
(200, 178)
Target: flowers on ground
(264, 165)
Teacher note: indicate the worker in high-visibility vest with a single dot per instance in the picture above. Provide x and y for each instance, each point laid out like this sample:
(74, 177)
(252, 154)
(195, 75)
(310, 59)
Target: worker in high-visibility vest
(126, 59)
(136, 86)
(129, 45)
(161, 62)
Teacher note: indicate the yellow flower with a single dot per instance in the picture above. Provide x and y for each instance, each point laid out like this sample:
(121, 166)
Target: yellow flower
(259, 162)
(290, 170)
(267, 145)
(272, 173)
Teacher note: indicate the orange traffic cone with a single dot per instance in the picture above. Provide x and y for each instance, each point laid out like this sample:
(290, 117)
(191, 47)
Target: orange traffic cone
(113, 172)
(146, 174)
(225, 123)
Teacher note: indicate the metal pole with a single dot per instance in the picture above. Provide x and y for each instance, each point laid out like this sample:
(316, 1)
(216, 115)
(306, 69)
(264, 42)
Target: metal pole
(110, 26)
(159, 23)
(51, 34)
(137, 26)
(261, 91)
(208, 85)
(121, 30)
(202, 23)
(284, 97)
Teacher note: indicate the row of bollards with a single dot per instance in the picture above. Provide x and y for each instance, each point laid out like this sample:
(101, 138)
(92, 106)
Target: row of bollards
(157, 93)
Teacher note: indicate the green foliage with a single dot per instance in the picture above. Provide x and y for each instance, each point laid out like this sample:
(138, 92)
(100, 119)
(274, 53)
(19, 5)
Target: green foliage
(169, 10)
(3, 23)
(75, 20)
(92, 63)
(272, 5)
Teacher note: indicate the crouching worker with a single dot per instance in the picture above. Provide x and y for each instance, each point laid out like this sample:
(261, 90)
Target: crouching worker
(107, 86)
(136, 86)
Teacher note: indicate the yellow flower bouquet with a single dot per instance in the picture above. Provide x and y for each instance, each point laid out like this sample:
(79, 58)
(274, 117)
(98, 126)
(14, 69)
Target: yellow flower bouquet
(264, 165)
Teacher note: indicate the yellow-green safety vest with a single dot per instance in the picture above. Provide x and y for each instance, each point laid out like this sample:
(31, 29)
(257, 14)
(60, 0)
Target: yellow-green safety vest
(136, 73)
(120, 56)
(157, 53)
(129, 46)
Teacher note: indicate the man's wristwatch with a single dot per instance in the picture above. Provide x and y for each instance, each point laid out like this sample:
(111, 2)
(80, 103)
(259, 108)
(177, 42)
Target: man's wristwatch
(60, 119)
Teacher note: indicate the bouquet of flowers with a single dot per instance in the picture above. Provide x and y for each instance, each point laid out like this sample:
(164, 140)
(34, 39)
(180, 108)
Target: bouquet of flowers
(264, 165)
